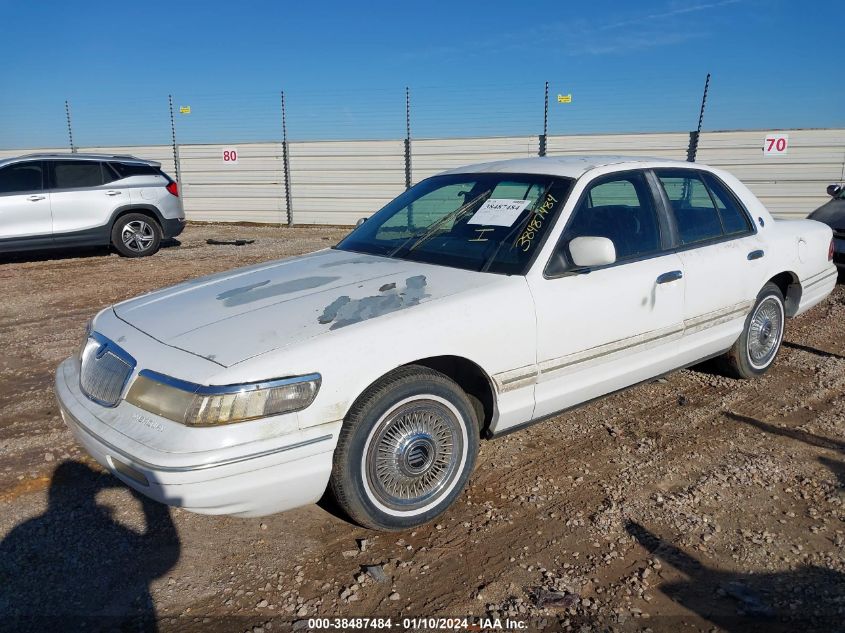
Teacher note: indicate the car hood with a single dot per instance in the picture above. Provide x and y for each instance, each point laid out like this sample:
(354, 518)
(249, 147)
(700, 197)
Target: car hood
(232, 316)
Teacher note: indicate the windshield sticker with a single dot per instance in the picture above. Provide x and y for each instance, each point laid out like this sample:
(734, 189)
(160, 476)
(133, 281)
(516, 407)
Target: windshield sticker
(526, 238)
(499, 212)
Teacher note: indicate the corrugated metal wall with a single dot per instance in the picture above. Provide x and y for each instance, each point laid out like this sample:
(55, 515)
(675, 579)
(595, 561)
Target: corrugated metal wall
(337, 182)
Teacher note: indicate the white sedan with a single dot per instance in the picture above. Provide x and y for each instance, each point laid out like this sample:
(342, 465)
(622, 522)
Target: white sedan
(478, 301)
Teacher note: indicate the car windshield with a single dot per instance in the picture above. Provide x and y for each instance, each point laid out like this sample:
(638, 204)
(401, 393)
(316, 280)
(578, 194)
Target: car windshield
(484, 222)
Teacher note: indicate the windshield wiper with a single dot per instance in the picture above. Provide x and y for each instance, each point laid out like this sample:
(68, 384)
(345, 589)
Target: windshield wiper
(426, 235)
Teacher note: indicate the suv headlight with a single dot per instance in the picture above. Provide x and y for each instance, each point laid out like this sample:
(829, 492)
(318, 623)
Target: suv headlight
(199, 405)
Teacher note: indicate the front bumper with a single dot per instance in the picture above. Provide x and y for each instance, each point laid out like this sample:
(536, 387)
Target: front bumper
(252, 479)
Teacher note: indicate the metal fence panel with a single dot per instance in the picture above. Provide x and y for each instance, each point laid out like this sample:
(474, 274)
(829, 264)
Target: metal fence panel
(337, 182)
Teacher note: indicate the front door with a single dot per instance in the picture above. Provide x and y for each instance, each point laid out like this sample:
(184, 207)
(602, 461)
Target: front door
(25, 218)
(603, 329)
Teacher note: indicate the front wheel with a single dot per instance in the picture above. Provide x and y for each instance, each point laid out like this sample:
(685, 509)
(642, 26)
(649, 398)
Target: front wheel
(136, 235)
(405, 451)
(758, 345)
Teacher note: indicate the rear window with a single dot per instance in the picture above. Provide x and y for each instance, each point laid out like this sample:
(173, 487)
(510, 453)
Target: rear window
(125, 170)
(72, 174)
(703, 211)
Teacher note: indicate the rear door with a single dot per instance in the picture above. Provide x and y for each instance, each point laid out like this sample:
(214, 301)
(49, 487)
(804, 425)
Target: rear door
(25, 217)
(82, 201)
(720, 251)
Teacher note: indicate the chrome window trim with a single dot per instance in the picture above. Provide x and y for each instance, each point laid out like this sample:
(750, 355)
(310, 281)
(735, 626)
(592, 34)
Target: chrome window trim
(210, 390)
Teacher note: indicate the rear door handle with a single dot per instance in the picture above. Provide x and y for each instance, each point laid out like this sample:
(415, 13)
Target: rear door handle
(672, 275)
(755, 255)
(35, 198)
(113, 193)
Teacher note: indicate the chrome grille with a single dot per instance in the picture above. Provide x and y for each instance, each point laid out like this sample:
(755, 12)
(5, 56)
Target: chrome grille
(104, 370)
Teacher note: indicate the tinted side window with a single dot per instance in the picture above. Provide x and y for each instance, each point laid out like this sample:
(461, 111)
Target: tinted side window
(21, 177)
(70, 174)
(734, 219)
(621, 209)
(124, 170)
(695, 214)
(109, 174)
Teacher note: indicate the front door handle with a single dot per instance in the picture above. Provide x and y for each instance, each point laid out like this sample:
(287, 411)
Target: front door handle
(113, 193)
(672, 275)
(755, 255)
(35, 198)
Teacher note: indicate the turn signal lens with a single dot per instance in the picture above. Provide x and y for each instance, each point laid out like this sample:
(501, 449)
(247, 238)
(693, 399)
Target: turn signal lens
(830, 251)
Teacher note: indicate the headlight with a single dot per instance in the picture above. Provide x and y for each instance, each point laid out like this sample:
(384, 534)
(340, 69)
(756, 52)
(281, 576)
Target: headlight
(198, 405)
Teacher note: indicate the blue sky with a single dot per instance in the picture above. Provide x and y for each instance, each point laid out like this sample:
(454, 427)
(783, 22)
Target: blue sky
(473, 67)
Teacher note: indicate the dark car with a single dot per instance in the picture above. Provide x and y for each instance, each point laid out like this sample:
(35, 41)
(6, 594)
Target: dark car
(832, 213)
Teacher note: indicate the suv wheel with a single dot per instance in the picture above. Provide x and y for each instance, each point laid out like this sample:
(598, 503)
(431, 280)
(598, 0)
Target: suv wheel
(136, 235)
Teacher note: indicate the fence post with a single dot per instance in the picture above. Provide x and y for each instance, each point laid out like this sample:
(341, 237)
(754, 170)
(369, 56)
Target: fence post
(286, 163)
(407, 137)
(175, 149)
(69, 127)
(694, 136)
(544, 135)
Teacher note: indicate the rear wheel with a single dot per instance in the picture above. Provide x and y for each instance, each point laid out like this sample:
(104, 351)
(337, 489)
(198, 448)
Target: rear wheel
(406, 450)
(136, 235)
(758, 345)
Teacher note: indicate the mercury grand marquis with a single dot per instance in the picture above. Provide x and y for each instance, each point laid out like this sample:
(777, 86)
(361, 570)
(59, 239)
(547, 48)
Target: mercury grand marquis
(480, 300)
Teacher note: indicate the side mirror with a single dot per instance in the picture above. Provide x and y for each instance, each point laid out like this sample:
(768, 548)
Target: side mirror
(588, 251)
(360, 222)
(834, 190)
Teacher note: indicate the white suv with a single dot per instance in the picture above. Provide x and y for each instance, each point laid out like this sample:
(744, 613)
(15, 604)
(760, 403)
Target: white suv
(62, 200)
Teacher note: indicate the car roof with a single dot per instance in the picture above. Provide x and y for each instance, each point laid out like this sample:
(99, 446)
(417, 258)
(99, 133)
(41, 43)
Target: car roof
(568, 166)
(121, 158)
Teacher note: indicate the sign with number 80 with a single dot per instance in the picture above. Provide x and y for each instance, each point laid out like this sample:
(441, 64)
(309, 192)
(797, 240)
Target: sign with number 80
(230, 155)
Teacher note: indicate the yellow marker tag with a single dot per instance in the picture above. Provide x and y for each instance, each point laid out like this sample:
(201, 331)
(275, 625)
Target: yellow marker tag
(564, 98)
(184, 109)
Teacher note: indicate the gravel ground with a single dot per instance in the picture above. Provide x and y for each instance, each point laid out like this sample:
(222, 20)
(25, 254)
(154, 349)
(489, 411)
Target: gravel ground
(692, 503)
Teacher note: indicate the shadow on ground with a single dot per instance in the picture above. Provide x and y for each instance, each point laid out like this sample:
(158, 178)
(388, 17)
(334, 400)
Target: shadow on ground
(805, 599)
(76, 568)
(56, 254)
(813, 350)
(836, 467)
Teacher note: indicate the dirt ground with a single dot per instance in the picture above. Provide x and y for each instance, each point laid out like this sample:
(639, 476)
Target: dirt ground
(692, 503)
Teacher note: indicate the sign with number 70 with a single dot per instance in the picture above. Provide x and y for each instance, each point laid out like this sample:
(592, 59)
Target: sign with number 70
(776, 144)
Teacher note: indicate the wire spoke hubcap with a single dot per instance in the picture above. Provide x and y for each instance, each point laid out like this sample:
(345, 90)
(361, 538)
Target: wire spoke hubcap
(764, 332)
(137, 235)
(414, 454)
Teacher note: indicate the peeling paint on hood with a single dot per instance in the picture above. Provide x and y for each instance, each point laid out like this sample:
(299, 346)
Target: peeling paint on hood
(239, 314)
(346, 311)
